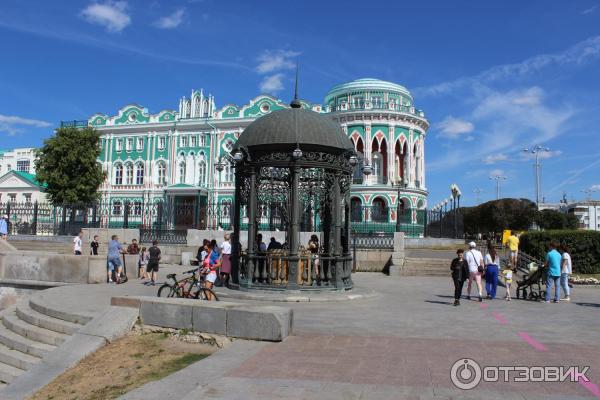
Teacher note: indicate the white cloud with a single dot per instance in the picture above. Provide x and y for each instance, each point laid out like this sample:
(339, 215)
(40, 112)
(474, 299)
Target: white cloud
(272, 83)
(171, 21)
(494, 158)
(496, 172)
(276, 60)
(505, 126)
(12, 124)
(590, 10)
(112, 15)
(578, 54)
(595, 188)
(454, 128)
(529, 97)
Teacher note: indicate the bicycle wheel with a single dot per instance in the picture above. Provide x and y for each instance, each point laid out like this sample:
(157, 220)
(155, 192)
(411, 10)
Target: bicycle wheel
(204, 294)
(167, 290)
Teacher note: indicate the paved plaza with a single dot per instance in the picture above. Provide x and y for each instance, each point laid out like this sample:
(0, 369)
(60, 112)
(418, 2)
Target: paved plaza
(400, 344)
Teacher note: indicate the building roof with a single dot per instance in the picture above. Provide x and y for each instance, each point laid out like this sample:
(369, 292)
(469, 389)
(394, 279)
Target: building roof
(284, 129)
(367, 84)
(27, 177)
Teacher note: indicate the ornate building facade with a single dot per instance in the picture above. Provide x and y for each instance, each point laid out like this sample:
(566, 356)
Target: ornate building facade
(182, 155)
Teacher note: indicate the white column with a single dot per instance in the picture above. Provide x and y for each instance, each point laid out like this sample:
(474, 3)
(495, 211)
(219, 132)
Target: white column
(368, 179)
(391, 155)
(411, 172)
(423, 161)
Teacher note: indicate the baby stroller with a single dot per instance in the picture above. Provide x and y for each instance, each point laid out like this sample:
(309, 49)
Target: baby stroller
(530, 288)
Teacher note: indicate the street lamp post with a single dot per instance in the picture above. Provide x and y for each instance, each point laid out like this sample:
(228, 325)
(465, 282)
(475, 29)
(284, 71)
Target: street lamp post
(477, 192)
(400, 184)
(536, 151)
(498, 178)
(456, 204)
(219, 166)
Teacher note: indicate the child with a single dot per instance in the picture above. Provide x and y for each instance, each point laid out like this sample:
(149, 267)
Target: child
(508, 274)
(144, 257)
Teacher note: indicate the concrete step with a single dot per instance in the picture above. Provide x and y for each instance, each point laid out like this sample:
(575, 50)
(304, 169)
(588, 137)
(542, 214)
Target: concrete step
(17, 342)
(2, 386)
(16, 358)
(31, 316)
(9, 373)
(20, 327)
(37, 304)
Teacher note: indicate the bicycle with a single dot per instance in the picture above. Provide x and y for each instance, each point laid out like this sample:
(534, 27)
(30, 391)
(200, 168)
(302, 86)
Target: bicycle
(190, 287)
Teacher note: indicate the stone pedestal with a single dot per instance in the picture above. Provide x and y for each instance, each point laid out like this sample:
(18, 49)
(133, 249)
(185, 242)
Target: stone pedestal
(397, 260)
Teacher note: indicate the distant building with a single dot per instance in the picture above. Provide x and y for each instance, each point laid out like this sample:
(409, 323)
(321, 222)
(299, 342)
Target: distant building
(20, 187)
(21, 160)
(587, 213)
(560, 207)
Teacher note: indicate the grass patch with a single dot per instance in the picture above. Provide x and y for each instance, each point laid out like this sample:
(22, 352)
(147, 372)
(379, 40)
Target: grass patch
(122, 366)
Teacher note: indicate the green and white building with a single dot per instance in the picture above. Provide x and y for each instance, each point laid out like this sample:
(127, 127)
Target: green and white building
(178, 155)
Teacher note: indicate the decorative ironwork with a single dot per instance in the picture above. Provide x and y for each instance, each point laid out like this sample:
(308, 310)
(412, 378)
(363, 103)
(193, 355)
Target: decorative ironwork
(165, 236)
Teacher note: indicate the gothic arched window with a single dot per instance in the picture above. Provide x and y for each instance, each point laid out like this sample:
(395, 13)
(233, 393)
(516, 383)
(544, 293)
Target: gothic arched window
(139, 174)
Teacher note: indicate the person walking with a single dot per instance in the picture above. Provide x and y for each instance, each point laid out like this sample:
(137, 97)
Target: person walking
(143, 263)
(492, 265)
(513, 246)
(94, 246)
(553, 261)
(225, 259)
(274, 245)
(566, 269)
(475, 261)
(460, 273)
(114, 259)
(507, 273)
(77, 243)
(4, 227)
(153, 262)
(209, 267)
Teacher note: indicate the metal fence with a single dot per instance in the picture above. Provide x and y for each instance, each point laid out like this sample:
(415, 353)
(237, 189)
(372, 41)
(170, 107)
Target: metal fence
(372, 226)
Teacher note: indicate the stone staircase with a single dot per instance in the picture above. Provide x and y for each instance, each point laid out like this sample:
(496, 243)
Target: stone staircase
(42, 245)
(426, 267)
(28, 332)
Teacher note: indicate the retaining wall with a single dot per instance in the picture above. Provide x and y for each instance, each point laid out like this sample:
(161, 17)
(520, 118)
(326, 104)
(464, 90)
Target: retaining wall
(23, 266)
(236, 320)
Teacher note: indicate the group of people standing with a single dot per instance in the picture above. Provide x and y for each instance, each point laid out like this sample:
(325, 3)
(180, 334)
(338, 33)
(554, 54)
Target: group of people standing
(214, 261)
(471, 266)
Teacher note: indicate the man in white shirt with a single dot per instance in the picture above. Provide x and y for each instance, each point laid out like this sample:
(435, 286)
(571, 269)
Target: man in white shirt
(565, 271)
(475, 261)
(77, 244)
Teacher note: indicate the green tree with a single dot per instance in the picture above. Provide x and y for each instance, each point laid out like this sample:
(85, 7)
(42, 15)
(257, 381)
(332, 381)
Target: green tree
(552, 219)
(67, 164)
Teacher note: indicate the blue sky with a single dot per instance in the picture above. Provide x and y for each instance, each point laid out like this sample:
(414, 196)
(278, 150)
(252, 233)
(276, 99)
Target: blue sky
(492, 77)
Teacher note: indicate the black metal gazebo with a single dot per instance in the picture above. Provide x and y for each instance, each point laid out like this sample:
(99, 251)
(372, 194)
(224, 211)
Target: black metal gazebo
(288, 164)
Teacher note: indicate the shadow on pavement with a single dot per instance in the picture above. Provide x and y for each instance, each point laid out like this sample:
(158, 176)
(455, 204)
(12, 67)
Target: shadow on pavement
(446, 303)
(588, 304)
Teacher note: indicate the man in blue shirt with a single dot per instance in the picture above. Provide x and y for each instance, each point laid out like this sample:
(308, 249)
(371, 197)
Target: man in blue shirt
(3, 227)
(553, 259)
(114, 258)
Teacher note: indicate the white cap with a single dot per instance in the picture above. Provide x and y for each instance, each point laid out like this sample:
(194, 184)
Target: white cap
(5, 216)
(472, 244)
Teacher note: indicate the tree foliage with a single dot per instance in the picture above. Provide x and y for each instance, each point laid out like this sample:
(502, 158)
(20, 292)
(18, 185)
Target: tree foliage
(67, 164)
(497, 215)
(584, 246)
(552, 219)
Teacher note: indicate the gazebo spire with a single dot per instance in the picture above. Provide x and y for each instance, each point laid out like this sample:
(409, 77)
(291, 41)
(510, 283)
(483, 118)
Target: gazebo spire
(296, 103)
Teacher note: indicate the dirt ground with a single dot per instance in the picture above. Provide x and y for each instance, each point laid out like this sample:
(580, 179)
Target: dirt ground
(124, 365)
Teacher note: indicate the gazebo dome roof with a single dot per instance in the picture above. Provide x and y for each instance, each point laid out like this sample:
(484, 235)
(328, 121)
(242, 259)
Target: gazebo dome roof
(284, 129)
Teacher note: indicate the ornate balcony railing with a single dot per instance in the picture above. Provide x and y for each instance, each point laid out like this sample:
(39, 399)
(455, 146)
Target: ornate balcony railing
(74, 124)
(378, 106)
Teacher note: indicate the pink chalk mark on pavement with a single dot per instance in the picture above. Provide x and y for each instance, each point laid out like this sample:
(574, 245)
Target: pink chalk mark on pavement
(532, 342)
(500, 318)
(591, 387)
(483, 305)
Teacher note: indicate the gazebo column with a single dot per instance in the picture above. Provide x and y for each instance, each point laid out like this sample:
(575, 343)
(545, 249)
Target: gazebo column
(251, 251)
(348, 228)
(294, 228)
(337, 232)
(236, 247)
